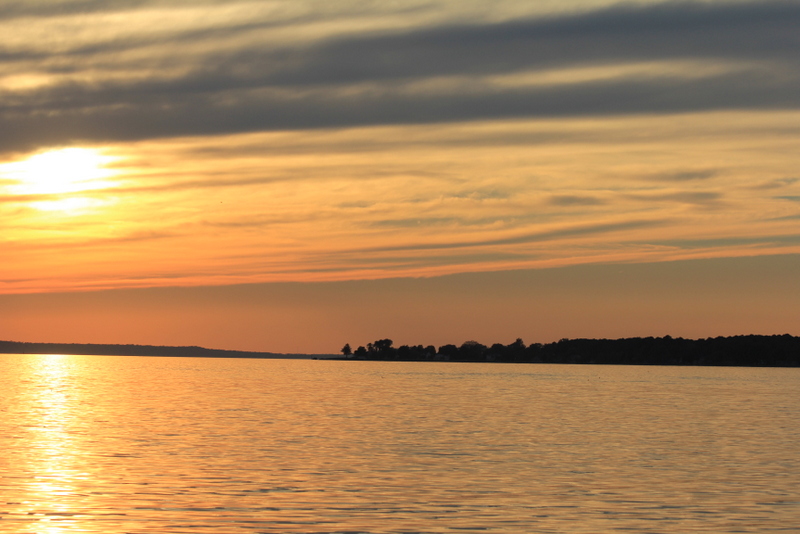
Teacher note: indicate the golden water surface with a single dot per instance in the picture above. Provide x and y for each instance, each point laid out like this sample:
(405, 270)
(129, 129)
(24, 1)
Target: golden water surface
(108, 444)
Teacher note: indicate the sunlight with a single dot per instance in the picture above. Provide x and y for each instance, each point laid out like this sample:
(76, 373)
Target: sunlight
(66, 170)
(53, 448)
(67, 205)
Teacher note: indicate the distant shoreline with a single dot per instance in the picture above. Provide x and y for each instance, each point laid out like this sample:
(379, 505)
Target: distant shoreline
(739, 351)
(96, 349)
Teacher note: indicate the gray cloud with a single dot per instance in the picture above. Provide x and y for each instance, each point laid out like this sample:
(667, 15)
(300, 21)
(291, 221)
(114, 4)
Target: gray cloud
(686, 197)
(575, 200)
(201, 114)
(671, 30)
(666, 31)
(376, 79)
(685, 176)
(776, 184)
(13, 9)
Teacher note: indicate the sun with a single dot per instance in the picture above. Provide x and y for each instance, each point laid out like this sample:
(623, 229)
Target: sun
(61, 171)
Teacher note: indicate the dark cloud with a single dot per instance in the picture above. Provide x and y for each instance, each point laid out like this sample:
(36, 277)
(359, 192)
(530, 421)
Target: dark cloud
(370, 80)
(206, 114)
(672, 30)
(666, 31)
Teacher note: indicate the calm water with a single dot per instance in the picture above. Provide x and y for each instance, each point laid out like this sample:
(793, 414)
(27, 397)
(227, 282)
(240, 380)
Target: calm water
(170, 445)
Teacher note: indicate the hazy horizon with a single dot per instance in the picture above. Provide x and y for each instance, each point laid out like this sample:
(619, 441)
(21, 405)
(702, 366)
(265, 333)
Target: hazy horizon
(681, 299)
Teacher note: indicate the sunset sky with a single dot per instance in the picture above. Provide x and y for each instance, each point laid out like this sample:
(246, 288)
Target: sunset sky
(291, 175)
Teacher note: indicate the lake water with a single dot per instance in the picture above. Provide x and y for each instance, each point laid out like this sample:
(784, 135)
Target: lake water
(189, 445)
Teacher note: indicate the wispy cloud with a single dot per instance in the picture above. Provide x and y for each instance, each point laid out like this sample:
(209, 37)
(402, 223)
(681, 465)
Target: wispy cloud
(685, 197)
(575, 200)
(686, 176)
(762, 241)
(778, 183)
(573, 231)
(260, 141)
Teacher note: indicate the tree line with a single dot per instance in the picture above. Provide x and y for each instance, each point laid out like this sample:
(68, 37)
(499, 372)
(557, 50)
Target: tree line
(743, 351)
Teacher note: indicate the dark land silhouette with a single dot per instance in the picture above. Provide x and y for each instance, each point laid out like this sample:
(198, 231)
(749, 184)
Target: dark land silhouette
(18, 347)
(741, 351)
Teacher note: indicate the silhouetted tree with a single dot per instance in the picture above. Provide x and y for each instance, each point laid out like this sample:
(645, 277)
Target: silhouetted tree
(448, 352)
(472, 351)
(497, 353)
(346, 350)
(381, 350)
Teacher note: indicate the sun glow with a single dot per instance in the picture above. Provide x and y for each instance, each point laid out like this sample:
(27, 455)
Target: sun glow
(68, 205)
(66, 170)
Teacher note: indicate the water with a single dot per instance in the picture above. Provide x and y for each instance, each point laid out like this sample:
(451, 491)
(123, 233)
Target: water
(170, 445)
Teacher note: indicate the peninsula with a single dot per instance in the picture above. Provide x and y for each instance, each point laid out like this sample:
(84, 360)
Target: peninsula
(741, 351)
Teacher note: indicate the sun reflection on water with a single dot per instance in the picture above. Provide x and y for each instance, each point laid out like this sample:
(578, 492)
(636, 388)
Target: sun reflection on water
(52, 457)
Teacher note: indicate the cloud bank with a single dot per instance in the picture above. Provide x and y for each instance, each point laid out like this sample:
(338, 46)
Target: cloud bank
(252, 74)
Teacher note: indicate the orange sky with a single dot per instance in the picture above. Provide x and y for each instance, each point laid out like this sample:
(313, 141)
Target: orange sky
(301, 149)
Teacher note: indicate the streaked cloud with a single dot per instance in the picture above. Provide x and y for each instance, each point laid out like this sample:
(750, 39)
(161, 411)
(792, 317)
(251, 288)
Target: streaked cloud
(777, 183)
(686, 176)
(686, 197)
(133, 70)
(575, 200)
(310, 140)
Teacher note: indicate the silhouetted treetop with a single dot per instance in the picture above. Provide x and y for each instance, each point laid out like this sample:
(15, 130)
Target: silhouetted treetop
(746, 351)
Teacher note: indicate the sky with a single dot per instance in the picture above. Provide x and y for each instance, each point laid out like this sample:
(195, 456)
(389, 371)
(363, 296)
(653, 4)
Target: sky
(288, 176)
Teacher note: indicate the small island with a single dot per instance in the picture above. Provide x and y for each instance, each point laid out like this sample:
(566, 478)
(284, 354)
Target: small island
(740, 351)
